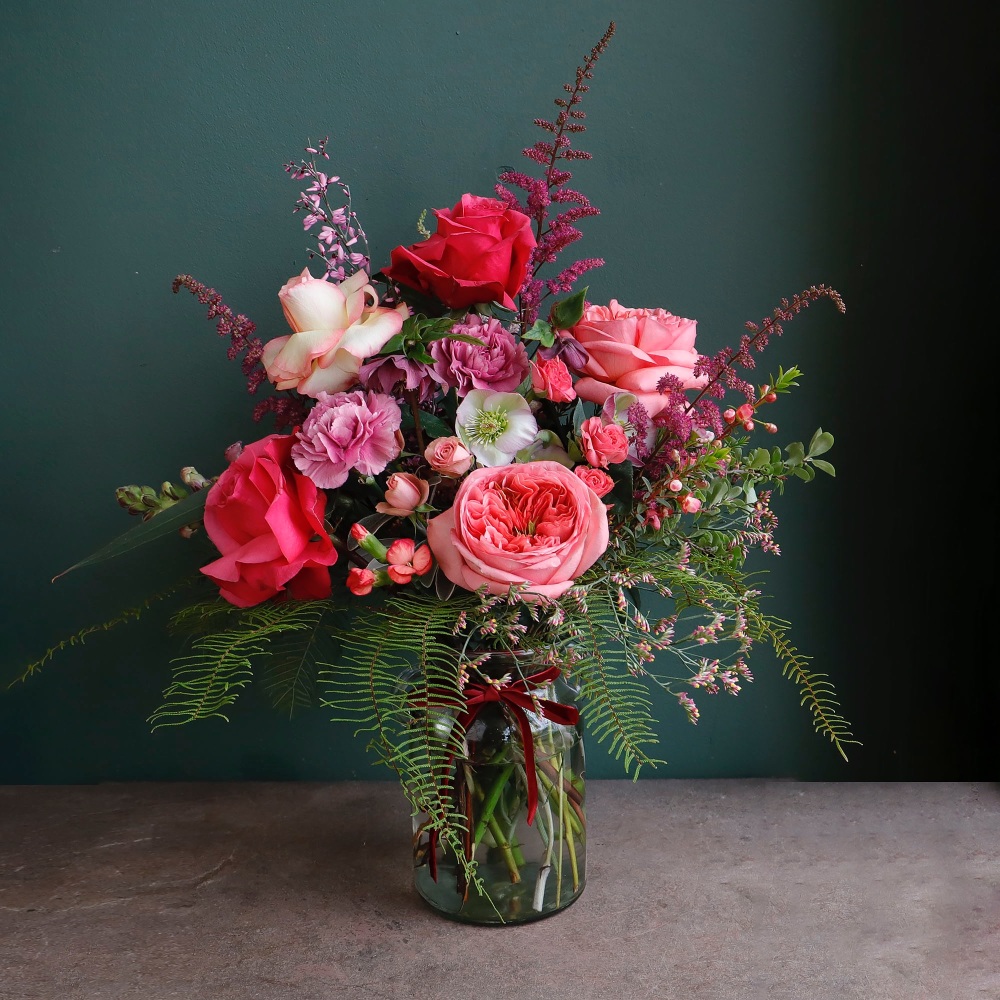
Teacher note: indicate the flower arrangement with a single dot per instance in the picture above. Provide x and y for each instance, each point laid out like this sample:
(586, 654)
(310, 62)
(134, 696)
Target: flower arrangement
(473, 464)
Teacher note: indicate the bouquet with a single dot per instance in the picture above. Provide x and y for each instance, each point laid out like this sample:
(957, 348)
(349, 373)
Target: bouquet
(490, 511)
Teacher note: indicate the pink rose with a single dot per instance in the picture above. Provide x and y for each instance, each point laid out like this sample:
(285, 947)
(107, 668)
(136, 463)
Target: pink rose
(498, 362)
(266, 519)
(597, 479)
(534, 523)
(551, 378)
(480, 253)
(336, 328)
(404, 493)
(630, 350)
(448, 457)
(603, 444)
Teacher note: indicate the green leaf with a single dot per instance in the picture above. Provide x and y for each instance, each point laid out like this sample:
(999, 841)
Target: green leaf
(824, 466)
(540, 331)
(569, 312)
(822, 441)
(166, 522)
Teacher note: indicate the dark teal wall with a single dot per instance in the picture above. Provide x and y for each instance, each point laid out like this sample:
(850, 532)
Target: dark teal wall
(741, 152)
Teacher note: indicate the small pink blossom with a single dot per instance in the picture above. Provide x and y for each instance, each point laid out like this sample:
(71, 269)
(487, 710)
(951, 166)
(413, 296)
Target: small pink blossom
(345, 431)
(597, 479)
(690, 504)
(360, 581)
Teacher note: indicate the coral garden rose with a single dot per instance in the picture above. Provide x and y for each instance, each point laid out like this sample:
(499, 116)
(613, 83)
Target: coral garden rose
(630, 350)
(535, 524)
(551, 378)
(480, 253)
(266, 520)
(597, 479)
(337, 326)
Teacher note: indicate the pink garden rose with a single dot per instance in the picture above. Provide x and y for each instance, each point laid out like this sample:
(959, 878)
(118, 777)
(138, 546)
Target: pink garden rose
(535, 524)
(479, 253)
(597, 479)
(337, 326)
(630, 350)
(266, 520)
(345, 431)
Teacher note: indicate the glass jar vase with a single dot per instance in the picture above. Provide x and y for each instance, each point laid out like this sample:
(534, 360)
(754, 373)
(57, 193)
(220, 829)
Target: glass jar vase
(519, 786)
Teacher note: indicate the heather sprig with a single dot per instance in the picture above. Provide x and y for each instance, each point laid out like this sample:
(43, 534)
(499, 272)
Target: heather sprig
(555, 234)
(341, 242)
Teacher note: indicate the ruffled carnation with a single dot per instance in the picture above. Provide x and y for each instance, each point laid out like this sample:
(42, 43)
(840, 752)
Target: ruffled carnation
(345, 431)
(499, 362)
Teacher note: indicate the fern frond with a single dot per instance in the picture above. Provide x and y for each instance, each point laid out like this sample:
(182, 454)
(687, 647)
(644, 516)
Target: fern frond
(125, 615)
(614, 702)
(816, 690)
(209, 679)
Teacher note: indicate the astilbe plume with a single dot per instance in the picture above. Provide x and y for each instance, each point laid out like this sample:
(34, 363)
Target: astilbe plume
(288, 411)
(554, 234)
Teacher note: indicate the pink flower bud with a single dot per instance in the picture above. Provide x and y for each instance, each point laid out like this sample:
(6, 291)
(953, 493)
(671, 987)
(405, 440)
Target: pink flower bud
(690, 504)
(359, 532)
(744, 413)
(675, 486)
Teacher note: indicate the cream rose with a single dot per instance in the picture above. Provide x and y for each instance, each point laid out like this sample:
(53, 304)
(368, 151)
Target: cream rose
(337, 326)
(535, 524)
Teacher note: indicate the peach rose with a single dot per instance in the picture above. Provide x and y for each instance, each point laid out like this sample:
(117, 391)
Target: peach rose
(534, 523)
(597, 479)
(630, 350)
(337, 326)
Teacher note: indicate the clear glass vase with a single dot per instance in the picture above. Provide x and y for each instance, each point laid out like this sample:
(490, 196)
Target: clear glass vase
(519, 784)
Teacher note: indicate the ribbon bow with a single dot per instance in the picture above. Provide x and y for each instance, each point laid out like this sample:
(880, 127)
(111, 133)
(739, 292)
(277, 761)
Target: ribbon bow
(516, 695)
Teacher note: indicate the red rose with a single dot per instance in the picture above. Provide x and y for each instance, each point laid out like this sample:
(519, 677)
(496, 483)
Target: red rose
(479, 254)
(266, 519)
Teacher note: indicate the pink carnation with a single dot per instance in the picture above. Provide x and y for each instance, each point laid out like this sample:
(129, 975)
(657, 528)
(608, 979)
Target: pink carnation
(345, 431)
(498, 363)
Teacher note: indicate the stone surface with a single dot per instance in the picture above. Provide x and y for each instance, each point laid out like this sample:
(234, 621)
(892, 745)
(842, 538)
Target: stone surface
(696, 890)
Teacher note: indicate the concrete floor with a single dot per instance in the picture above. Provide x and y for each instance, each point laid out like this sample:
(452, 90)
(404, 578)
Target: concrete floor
(696, 890)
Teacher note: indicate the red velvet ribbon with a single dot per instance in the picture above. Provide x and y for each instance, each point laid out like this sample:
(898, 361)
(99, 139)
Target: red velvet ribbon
(515, 694)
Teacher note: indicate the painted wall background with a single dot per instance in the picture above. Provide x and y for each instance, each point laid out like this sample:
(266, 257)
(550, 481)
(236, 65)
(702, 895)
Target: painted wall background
(741, 152)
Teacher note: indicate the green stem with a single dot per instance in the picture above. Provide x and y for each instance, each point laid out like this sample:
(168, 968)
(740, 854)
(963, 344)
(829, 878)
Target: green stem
(490, 803)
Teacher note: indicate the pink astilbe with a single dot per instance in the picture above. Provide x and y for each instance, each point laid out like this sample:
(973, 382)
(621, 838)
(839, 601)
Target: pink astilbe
(556, 234)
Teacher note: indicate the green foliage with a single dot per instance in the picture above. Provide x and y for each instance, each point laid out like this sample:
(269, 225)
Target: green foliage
(208, 680)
